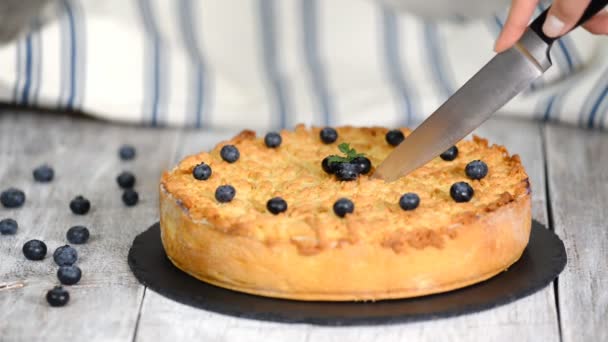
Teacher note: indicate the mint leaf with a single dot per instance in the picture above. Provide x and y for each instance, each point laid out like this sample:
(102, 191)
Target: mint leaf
(344, 148)
(337, 159)
(350, 153)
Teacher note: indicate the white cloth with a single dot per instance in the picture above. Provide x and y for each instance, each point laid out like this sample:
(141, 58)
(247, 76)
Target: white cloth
(274, 63)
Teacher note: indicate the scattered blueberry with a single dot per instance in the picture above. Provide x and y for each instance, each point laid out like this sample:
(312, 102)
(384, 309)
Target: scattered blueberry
(394, 137)
(343, 206)
(273, 140)
(43, 174)
(126, 180)
(347, 172)
(77, 235)
(409, 201)
(130, 197)
(230, 153)
(80, 205)
(12, 198)
(476, 169)
(276, 205)
(329, 167)
(58, 296)
(364, 165)
(8, 226)
(328, 135)
(126, 152)
(461, 192)
(201, 171)
(34, 250)
(65, 255)
(69, 275)
(450, 154)
(225, 193)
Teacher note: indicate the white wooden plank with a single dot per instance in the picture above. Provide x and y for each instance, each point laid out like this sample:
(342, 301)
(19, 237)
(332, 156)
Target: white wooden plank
(106, 302)
(531, 319)
(578, 184)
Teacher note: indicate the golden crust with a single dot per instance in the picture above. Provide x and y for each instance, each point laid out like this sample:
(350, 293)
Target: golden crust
(378, 252)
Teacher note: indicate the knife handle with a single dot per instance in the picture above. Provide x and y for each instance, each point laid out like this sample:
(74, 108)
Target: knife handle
(594, 7)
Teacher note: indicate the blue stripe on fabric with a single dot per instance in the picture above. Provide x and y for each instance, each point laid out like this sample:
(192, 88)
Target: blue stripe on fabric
(38, 58)
(270, 58)
(602, 120)
(197, 96)
(81, 56)
(498, 22)
(566, 59)
(310, 24)
(63, 65)
(596, 106)
(549, 108)
(593, 101)
(567, 56)
(435, 56)
(393, 62)
(571, 55)
(602, 111)
(153, 86)
(28, 71)
(601, 115)
(18, 62)
(71, 89)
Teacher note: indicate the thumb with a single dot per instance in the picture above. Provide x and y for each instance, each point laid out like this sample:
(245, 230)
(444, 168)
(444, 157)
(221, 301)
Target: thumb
(563, 15)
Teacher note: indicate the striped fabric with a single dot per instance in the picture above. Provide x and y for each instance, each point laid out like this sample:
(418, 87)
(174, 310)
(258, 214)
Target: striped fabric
(269, 64)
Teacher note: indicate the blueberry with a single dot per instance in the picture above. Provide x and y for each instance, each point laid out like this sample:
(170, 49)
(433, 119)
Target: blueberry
(328, 135)
(69, 275)
(225, 193)
(343, 206)
(450, 154)
(12, 198)
(8, 226)
(230, 153)
(409, 201)
(130, 197)
(476, 169)
(43, 174)
(201, 171)
(394, 137)
(65, 255)
(126, 180)
(347, 172)
(328, 167)
(80, 205)
(34, 250)
(77, 235)
(364, 165)
(126, 152)
(58, 296)
(461, 192)
(273, 140)
(276, 205)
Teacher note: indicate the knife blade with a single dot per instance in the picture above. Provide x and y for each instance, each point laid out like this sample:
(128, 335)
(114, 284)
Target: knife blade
(503, 77)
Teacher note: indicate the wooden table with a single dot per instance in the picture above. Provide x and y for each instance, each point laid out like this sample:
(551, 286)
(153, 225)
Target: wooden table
(568, 168)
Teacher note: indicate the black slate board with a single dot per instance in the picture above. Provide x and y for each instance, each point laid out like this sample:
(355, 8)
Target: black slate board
(541, 262)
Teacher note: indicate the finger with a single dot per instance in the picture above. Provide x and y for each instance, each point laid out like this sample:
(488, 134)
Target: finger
(563, 15)
(598, 24)
(519, 16)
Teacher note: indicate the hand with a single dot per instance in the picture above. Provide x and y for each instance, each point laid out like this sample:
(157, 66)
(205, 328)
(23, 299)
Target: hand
(562, 17)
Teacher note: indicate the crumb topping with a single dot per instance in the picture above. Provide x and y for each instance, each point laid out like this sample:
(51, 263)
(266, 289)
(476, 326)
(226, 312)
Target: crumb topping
(293, 172)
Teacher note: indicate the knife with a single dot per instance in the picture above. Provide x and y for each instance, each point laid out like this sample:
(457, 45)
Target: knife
(503, 77)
